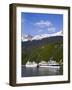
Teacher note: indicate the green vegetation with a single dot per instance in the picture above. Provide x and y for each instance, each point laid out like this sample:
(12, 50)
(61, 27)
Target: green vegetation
(44, 53)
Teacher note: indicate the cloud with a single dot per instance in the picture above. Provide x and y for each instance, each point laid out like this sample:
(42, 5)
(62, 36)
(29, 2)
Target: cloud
(43, 24)
(51, 29)
(40, 30)
(61, 31)
(47, 26)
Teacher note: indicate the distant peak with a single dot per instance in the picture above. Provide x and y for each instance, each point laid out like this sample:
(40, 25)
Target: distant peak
(39, 37)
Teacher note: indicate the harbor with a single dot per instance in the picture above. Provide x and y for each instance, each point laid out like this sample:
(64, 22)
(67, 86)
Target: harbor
(50, 63)
(43, 68)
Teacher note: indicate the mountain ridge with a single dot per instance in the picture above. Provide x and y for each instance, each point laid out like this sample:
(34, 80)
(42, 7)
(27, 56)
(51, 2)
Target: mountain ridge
(39, 37)
(29, 45)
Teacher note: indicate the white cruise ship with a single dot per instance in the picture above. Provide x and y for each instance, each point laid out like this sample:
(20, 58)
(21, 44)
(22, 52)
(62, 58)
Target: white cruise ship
(31, 64)
(53, 64)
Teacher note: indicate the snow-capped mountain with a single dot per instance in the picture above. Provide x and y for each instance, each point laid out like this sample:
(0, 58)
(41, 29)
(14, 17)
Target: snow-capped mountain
(26, 37)
(39, 37)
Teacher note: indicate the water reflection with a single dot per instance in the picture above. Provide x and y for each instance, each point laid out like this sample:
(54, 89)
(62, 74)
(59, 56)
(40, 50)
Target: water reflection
(41, 71)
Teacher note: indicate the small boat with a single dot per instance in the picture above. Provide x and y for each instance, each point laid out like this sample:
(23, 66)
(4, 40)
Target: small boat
(43, 64)
(31, 64)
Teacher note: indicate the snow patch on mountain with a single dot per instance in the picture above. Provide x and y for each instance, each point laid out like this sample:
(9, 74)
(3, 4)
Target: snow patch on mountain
(39, 37)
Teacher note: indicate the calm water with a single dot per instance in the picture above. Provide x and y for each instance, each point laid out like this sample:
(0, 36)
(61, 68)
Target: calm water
(41, 71)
